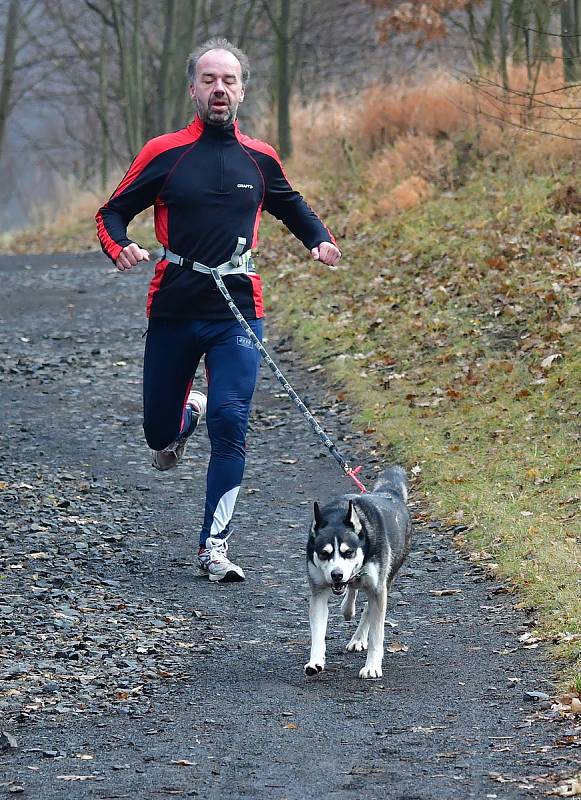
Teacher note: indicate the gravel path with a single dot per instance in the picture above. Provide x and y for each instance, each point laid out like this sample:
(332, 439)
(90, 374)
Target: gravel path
(125, 675)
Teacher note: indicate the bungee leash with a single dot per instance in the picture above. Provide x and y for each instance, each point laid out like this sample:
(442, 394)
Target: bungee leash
(242, 263)
(331, 447)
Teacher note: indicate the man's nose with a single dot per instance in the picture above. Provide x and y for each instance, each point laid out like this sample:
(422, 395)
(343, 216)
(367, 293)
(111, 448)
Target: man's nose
(337, 574)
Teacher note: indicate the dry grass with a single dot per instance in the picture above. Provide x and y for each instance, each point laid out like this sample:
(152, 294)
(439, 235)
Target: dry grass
(73, 228)
(389, 141)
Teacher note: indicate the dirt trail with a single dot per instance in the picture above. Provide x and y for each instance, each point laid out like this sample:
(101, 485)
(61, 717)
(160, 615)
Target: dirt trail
(125, 675)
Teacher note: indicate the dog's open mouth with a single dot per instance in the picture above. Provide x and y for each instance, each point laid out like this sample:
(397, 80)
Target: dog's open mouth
(339, 588)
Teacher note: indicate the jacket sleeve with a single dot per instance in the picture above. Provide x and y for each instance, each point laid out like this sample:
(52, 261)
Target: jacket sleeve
(137, 191)
(287, 205)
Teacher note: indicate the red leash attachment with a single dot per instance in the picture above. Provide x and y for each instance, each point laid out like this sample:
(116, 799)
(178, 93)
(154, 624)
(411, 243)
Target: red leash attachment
(351, 473)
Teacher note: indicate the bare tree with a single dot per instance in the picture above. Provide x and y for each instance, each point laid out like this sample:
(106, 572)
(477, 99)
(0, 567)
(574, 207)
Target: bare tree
(569, 39)
(8, 65)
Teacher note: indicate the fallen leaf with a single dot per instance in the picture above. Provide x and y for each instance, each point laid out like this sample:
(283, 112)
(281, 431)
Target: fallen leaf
(570, 788)
(291, 726)
(548, 361)
(183, 762)
(529, 638)
(7, 741)
(576, 705)
(397, 647)
(444, 592)
(76, 777)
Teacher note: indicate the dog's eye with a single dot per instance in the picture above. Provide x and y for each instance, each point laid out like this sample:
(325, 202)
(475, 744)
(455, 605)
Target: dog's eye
(324, 555)
(349, 553)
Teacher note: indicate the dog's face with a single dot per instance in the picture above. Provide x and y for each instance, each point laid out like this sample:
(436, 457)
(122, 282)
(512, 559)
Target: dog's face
(337, 547)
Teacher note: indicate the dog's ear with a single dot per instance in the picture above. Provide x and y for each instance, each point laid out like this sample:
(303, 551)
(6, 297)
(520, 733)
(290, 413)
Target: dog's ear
(318, 516)
(352, 518)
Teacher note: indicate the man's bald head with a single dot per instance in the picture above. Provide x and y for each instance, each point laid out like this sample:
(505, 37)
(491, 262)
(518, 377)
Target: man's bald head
(217, 44)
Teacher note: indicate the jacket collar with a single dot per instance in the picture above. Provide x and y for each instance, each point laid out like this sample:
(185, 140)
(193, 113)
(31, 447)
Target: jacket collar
(197, 127)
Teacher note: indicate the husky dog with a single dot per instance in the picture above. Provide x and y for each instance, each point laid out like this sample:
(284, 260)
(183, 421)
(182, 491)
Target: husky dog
(357, 542)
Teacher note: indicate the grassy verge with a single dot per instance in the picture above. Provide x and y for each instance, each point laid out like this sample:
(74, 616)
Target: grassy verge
(454, 331)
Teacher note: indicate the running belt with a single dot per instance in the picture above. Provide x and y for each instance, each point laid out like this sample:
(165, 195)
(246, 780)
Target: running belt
(239, 263)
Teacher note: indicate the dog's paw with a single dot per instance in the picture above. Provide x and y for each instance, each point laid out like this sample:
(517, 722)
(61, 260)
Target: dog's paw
(371, 671)
(357, 645)
(312, 668)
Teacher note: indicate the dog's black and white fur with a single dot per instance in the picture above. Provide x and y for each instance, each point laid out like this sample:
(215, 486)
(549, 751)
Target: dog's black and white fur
(357, 542)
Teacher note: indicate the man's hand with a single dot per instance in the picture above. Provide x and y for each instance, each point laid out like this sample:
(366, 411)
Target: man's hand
(327, 253)
(130, 256)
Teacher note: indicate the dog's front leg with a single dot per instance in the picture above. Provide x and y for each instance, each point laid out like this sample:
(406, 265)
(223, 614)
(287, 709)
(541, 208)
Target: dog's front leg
(358, 641)
(318, 614)
(377, 605)
(348, 603)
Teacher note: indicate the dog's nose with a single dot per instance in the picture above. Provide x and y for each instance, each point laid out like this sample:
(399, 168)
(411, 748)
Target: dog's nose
(337, 575)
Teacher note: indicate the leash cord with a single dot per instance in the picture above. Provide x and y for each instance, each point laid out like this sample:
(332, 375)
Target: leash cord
(332, 448)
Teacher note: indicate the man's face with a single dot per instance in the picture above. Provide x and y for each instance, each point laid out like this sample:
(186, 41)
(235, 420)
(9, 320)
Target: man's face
(217, 90)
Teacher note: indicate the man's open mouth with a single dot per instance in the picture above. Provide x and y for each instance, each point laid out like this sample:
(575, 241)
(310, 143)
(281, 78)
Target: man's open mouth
(339, 588)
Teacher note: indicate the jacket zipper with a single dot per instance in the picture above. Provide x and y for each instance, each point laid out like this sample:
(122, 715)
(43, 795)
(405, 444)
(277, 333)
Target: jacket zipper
(221, 168)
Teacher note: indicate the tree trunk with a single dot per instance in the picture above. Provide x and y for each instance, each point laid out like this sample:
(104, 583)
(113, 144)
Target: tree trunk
(187, 20)
(166, 58)
(519, 15)
(489, 32)
(8, 64)
(578, 27)
(137, 75)
(503, 41)
(104, 161)
(568, 40)
(543, 41)
(128, 35)
(246, 21)
(283, 81)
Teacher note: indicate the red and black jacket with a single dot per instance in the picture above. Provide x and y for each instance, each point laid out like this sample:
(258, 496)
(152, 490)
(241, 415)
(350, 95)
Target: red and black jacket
(208, 186)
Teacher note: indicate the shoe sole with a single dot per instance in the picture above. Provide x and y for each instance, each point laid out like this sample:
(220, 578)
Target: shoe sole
(173, 459)
(229, 577)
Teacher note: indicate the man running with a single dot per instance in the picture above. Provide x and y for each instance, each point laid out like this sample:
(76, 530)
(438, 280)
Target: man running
(208, 184)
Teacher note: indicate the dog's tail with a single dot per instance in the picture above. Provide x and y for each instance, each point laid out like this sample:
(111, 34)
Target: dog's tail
(393, 479)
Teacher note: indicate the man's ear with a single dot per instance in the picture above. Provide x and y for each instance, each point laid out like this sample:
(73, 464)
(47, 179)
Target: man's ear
(192, 91)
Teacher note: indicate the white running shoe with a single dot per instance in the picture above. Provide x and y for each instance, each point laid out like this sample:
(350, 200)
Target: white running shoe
(213, 561)
(170, 456)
